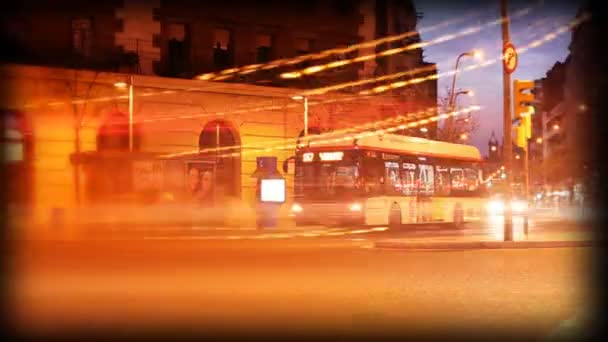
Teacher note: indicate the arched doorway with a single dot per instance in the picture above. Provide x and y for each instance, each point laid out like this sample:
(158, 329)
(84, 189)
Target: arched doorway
(108, 173)
(220, 134)
(113, 134)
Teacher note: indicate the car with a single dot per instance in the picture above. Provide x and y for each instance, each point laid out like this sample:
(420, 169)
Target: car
(497, 203)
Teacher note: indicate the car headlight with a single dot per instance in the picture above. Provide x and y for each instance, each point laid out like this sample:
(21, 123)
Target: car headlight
(520, 206)
(496, 207)
(355, 207)
(296, 208)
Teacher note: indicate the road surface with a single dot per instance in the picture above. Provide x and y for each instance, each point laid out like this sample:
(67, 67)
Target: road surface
(332, 284)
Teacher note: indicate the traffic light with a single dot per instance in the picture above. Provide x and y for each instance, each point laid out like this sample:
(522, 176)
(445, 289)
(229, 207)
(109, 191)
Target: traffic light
(520, 135)
(523, 101)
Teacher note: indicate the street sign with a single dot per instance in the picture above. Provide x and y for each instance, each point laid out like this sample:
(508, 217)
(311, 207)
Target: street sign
(509, 57)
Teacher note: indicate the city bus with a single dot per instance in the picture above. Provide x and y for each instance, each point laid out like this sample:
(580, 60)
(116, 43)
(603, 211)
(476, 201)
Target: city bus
(387, 180)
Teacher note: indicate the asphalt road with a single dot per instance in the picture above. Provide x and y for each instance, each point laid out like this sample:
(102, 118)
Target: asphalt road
(330, 284)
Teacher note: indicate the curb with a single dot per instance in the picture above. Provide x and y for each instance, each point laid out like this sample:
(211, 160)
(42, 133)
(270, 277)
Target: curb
(482, 244)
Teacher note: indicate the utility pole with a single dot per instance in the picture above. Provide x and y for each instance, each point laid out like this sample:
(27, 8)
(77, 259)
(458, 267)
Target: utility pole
(526, 183)
(507, 146)
(130, 113)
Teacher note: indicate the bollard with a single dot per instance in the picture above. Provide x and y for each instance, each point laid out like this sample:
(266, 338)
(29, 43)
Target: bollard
(526, 225)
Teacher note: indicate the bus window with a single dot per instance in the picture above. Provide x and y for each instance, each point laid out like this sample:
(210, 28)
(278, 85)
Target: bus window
(442, 181)
(373, 176)
(471, 180)
(408, 178)
(393, 179)
(426, 180)
(457, 176)
(337, 181)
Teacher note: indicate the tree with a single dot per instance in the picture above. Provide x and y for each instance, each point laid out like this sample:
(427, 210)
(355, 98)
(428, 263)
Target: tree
(462, 125)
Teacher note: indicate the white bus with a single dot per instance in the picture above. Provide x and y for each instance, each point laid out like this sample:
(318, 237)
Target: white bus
(387, 180)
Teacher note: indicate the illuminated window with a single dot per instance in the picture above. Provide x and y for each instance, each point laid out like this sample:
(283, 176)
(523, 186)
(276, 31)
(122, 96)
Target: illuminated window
(408, 178)
(472, 179)
(426, 180)
(393, 178)
(457, 176)
(442, 181)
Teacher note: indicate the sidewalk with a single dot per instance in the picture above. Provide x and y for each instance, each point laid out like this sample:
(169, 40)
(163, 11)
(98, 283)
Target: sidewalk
(572, 213)
(494, 240)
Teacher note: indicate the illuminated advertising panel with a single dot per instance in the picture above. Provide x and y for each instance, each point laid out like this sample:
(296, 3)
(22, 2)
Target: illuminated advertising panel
(272, 191)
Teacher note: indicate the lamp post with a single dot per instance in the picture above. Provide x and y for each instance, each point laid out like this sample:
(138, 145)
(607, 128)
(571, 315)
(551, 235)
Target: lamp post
(452, 96)
(462, 92)
(472, 53)
(129, 85)
(300, 97)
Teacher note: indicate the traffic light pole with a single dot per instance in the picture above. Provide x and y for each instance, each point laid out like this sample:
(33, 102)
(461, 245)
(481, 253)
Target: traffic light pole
(507, 147)
(526, 184)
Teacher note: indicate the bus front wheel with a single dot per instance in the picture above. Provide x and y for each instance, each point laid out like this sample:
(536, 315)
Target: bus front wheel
(394, 216)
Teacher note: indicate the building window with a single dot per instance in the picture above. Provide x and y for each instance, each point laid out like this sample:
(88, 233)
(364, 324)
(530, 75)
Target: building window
(303, 46)
(82, 34)
(178, 49)
(263, 43)
(222, 58)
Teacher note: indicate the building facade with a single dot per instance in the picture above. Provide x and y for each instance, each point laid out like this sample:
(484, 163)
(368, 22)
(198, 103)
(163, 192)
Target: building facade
(65, 126)
(185, 39)
(67, 56)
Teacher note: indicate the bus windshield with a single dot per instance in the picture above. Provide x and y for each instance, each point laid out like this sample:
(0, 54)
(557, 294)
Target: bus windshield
(329, 180)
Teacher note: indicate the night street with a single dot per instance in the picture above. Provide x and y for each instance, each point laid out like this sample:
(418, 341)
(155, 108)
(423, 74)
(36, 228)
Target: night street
(335, 284)
(353, 168)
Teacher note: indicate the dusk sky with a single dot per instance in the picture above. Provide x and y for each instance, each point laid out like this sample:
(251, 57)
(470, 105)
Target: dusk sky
(487, 82)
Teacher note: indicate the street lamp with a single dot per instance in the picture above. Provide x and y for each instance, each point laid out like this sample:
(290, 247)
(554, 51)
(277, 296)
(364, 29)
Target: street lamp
(300, 97)
(539, 140)
(463, 92)
(123, 85)
(452, 98)
(473, 53)
(464, 136)
(555, 127)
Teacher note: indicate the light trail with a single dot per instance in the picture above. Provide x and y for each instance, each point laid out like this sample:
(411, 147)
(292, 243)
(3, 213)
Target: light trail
(232, 72)
(350, 137)
(442, 39)
(521, 50)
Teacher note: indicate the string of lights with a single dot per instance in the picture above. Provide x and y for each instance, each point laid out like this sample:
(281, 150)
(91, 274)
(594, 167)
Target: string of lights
(336, 64)
(546, 38)
(293, 144)
(225, 74)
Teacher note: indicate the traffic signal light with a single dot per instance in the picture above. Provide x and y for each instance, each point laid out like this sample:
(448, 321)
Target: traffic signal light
(520, 135)
(523, 100)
